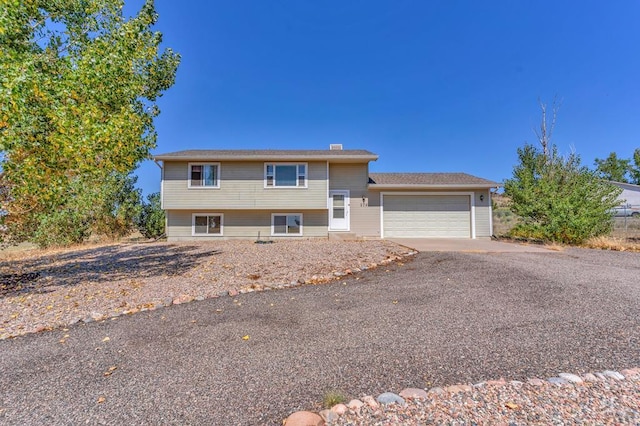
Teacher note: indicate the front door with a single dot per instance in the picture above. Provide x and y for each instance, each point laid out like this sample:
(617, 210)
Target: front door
(339, 210)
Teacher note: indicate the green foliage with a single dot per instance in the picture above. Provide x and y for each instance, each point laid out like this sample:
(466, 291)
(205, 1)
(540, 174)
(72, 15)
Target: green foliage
(61, 228)
(613, 168)
(333, 397)
(151, 219)
(635, 169)
(620, 169)
(557, 199)
(78, 86)
(106, 208)
(119, 207)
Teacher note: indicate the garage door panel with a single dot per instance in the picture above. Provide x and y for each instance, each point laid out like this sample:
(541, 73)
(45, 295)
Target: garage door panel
(427, 216)
(434, 203)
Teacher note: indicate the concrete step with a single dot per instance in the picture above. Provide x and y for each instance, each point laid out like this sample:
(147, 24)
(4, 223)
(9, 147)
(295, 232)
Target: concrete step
(343, 236)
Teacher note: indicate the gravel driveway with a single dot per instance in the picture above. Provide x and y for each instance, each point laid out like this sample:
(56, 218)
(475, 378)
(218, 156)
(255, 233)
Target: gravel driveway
(441, 319)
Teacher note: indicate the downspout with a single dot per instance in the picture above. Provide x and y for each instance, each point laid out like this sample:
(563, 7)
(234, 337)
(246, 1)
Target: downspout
(161, 182)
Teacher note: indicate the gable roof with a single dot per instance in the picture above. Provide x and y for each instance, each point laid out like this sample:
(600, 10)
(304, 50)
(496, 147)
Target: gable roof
(627, 186)
(333, 155)
(428, 180)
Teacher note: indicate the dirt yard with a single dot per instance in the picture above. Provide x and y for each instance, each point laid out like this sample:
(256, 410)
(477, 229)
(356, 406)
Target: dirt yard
(44, 290)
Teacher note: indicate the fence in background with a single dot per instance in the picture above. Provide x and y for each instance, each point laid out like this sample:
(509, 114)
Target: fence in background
(627, 227)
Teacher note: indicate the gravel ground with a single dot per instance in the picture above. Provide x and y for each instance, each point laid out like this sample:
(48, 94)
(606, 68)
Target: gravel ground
(441, 319)
(64, 287)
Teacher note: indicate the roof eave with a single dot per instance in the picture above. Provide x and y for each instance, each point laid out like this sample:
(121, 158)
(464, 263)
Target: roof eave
(435, 186)
(331, 159)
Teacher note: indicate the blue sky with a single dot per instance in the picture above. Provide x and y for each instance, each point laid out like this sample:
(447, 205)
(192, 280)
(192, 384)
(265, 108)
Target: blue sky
(429, 86)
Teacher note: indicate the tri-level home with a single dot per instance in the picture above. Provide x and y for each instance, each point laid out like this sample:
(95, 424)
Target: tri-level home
(270, 194)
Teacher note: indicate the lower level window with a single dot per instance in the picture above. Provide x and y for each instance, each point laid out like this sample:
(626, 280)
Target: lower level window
(207, 224)
(286, 224)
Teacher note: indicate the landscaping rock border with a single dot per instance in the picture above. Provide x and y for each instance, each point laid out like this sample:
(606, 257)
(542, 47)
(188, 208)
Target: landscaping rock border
(372, 410)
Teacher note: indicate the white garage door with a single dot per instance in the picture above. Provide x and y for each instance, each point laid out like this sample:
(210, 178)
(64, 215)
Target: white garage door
(424, 216)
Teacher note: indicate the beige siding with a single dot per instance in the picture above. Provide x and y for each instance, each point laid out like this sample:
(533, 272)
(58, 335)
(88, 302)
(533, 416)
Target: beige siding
(242, 187)
(483, 214)
(371, 215)
(364, 214)
(243, 224)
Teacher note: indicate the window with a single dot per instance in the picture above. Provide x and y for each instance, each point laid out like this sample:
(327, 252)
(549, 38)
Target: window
(285, 175)
(204, 175)
(286, 224)
(207, 224)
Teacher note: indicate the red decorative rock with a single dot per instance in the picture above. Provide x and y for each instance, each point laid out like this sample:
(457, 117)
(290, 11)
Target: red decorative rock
(370, 401)
(339, 409)
(304, 418)
(588, 377)
(355, 404)
(183, 298)
(414, 393)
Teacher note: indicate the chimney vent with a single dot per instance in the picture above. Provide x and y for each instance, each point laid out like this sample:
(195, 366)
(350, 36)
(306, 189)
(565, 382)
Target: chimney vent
(335, 147)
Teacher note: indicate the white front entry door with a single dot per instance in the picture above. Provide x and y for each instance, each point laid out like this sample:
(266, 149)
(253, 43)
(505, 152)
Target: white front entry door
(339, 210)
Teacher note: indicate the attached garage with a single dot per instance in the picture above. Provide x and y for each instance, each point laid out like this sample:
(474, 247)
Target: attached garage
(431, 205)
(427, 215)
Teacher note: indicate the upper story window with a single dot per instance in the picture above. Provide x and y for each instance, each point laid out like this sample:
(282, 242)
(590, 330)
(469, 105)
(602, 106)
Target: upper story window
(204, 175)
(285, 175)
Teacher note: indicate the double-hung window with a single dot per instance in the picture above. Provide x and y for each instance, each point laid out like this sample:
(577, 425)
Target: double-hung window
(207, 224)
(204, 175)
(285, 175)
(286, 224)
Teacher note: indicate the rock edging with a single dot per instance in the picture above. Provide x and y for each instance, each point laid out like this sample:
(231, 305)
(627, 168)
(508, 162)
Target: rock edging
(355, 406)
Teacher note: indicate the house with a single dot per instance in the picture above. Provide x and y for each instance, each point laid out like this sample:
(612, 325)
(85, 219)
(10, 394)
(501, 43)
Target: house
(630, 195)
(214, 194)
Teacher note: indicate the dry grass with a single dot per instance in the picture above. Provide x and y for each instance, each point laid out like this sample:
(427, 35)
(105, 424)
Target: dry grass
(614, 243)
(28, 251)
(554, 246)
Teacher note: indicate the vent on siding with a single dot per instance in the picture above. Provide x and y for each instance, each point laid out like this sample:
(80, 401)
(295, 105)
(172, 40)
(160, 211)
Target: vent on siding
(335, 147)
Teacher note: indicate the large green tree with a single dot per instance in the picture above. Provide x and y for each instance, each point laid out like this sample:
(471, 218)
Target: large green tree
(634, 170)
(557, 199)
(151, 218)
(613, 168)
(78, 89)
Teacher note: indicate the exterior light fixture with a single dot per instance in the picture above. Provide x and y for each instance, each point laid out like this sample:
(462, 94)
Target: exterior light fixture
(481, 197)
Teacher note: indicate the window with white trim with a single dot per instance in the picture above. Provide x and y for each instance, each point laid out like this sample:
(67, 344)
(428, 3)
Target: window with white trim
(285, 175)
(204, 175)
(207, 224)
(286, 224)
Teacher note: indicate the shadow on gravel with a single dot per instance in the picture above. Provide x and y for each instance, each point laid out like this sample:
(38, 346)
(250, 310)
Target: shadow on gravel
(102, 264)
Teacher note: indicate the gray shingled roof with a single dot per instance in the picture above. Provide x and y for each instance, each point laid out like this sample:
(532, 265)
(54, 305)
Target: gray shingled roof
(271, 154)
(628, 186)
(428, 179)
